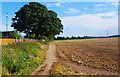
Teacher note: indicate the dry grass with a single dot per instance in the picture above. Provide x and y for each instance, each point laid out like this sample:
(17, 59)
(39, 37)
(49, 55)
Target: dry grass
(58, 68)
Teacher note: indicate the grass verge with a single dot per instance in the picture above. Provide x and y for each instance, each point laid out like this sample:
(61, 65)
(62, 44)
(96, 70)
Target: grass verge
(22, 58)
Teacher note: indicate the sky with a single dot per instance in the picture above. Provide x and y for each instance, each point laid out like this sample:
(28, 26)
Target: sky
(60, 0)
(78, 18)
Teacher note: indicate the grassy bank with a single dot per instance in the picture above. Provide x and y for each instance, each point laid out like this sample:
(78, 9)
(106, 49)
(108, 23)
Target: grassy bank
(22, 58)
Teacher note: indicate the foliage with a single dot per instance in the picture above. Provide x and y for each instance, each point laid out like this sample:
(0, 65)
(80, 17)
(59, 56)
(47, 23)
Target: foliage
(16, 35)
(35, 18)
(22, 58)
(84, 37)
(33, 36)
(0, 34)
(46, 39)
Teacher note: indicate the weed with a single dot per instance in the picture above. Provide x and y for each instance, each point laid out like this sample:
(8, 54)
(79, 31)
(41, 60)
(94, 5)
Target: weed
(22, 58)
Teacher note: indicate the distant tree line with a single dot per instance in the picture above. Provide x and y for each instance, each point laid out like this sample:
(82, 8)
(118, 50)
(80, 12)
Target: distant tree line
(84, 37)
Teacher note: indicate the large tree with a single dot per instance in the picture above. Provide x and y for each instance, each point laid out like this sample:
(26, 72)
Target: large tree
(35, 18)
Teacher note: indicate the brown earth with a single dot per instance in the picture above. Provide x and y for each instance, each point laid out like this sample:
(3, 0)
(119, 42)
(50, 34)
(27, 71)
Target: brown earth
(92, 56)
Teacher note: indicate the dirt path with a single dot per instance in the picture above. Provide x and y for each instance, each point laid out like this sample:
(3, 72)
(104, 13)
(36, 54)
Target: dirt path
(46, 66)
(51, 58)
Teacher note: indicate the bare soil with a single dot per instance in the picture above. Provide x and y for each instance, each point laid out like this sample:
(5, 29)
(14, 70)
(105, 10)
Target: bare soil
(92, 56)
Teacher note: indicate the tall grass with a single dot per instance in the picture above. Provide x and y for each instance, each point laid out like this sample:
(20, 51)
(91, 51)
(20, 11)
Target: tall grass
(22, 58)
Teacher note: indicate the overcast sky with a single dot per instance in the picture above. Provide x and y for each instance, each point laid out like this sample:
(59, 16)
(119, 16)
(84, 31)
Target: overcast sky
(78, 18)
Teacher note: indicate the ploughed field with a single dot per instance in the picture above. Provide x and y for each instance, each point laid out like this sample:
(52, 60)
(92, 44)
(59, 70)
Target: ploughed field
(88, 56)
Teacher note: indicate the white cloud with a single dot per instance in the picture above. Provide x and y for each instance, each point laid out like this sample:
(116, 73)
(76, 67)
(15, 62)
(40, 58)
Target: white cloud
(114, 3)
(72, 11)
(90, 21)
(99, 5)
(109, 14)
(85, 8)
(55, 4)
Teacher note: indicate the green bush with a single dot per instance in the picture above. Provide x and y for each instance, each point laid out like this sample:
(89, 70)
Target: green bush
(17, 36)
(46, 39)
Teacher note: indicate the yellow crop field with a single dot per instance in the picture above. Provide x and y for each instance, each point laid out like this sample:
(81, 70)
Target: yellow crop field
(7, 41)
(12, 41)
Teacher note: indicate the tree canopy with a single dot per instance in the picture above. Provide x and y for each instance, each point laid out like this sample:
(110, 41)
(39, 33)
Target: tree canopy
(35, 18)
